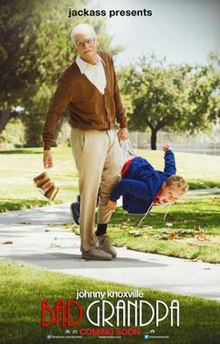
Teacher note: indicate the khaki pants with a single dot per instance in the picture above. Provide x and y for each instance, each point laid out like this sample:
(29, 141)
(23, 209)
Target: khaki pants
(98, 159)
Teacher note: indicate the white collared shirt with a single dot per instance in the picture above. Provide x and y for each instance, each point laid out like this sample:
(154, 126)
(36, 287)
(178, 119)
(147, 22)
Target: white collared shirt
(95, 73)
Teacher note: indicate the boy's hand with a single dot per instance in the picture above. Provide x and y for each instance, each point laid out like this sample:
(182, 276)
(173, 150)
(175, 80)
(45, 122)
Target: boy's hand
(111, 205)
(166, 147)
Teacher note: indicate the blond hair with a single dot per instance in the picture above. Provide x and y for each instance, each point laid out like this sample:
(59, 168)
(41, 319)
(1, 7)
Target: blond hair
(179, 182)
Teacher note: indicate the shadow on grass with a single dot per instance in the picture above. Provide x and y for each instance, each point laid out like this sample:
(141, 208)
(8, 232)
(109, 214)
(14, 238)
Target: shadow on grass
(20, 151)
(180, 217)
(202, 184)
(18, 204)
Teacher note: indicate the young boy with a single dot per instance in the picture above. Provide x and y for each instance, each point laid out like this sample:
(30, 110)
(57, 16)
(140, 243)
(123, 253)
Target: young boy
(142, 186)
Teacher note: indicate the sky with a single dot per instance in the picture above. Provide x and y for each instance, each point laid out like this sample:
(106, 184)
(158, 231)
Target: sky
(180, 30)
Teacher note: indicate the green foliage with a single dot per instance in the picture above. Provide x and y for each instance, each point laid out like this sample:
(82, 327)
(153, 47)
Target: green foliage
(203, 97)
(34, 128)
(17, 58)
(14, 133)
(184, 98)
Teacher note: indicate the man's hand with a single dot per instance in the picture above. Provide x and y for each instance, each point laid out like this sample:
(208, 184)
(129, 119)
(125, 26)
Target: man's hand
(48, 159)
(111, 205)
(166, 147)
(122, 134)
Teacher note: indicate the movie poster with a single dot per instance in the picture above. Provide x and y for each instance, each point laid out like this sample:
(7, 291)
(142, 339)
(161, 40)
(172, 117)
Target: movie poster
(161, 291)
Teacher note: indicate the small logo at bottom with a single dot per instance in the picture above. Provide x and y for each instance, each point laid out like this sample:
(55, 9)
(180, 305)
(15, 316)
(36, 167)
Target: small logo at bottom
(48, 336)
(146, 336)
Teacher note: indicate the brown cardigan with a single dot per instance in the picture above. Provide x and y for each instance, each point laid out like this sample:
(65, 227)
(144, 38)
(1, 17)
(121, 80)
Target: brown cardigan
(88, 108)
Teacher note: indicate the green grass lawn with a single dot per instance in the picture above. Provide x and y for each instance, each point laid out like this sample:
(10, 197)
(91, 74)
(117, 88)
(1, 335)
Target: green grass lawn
(23, 287)
(20, 166)
(190, 230)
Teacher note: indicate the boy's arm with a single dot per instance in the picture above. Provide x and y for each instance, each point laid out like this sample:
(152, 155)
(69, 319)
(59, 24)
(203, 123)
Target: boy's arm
(170, 164)
(132, 187)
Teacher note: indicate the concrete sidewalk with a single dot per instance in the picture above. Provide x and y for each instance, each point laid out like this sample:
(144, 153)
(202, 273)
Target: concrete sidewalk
(38, 239)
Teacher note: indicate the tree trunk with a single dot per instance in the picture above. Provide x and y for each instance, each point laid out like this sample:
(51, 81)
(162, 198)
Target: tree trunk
(4, 118)
(153, 139)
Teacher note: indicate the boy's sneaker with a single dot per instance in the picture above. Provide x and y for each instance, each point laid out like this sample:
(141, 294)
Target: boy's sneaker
(105, 245)
(75, 210)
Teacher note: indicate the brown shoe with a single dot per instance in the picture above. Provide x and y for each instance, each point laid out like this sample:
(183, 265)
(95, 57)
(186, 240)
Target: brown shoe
(105, 244)
(96, 253)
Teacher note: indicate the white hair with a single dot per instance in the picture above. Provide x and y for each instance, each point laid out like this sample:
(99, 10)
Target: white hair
(84, 29)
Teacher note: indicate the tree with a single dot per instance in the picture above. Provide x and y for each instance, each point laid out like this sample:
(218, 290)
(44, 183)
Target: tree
(157, 95)
(171, 96)
(203, 97)
(17, 59)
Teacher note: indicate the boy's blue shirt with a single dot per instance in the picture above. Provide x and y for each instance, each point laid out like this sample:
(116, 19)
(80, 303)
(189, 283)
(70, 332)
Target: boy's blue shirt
(142, 183)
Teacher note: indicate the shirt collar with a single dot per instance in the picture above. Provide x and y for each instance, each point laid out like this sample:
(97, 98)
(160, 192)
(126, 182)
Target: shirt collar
(83, 65)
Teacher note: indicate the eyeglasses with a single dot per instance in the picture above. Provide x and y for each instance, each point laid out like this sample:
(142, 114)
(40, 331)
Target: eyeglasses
(88, 41)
